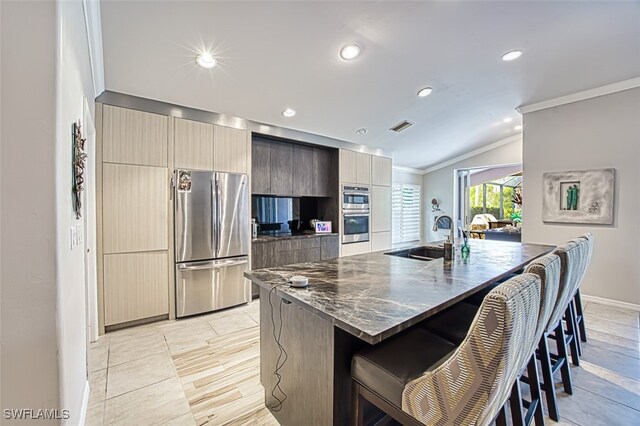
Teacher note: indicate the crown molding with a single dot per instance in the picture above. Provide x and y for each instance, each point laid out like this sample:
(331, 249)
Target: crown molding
(581, 96)
(408, 170)
(496, 144)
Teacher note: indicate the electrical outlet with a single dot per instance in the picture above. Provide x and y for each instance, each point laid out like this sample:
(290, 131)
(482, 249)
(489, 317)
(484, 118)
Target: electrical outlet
(79, 235)
(74, 237)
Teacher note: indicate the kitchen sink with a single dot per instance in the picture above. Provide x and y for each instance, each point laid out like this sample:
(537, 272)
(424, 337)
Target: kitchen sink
(426, 253)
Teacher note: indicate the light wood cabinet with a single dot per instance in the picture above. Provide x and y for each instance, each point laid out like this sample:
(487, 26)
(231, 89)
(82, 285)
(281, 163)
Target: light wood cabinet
(193, 145)
(380, 171)
(363, 168)
(380, 208)
(356, 248)
(348, 166)
(134, 137)
(380, 241)
(135, 208)
(232, 148)
(136, 286)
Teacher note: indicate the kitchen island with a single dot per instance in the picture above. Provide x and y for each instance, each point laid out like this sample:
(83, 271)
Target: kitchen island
(352, 302)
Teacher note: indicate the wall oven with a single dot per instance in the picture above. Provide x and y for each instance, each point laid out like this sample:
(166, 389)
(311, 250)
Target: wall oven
(355, 198)
(355, 226)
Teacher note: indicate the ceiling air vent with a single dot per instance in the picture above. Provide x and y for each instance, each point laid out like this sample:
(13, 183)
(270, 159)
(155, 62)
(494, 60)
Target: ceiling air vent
(403, 125)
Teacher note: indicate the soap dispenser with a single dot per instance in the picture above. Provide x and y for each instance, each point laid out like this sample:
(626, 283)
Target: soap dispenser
(448, 249)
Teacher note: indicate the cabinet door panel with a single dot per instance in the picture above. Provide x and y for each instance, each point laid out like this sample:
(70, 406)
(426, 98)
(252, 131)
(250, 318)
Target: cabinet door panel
(231, 149)
(380, 171)
(134, 208)
(348, 166)
(363, 168)
(356, 248)
(302, 170)
(193, 145)
(263, 255)
(321, 172)
(136, 286)
(330, 247)
(281, 168)
(380, 241)
(288, 257)
(380, 208)
(134, 137)
(260, 167)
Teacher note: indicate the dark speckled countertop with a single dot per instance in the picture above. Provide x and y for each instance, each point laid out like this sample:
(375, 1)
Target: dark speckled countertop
(374, 296)
(284, 236)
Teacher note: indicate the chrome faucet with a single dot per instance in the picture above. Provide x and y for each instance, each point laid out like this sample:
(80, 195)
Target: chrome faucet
(438, 219)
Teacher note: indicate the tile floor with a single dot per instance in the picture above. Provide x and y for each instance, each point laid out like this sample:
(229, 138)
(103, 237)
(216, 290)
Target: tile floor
(205, 370)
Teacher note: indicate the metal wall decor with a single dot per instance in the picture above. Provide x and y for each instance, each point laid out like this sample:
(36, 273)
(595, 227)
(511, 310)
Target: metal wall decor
(79, 159)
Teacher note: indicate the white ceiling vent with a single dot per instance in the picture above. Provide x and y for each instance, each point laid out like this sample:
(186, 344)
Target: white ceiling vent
(403, 125)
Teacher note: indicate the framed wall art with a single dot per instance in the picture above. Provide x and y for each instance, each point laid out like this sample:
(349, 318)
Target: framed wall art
(585, 196)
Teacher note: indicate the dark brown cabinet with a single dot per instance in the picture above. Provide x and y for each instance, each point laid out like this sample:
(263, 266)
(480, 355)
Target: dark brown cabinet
(269, 254)
(321, 169)
(303, 171)
(260, 167)
(281, 160)
(286, 169)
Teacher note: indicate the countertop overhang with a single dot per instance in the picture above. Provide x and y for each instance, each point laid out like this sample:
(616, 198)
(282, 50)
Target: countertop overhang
(375, 296)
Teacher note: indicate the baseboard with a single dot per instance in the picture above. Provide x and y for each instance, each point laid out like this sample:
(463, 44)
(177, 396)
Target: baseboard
(610, 302)
(85, 404)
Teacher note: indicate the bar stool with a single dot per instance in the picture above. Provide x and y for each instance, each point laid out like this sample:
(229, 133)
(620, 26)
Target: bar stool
(577, 301)
(451, 323)
(468, 386)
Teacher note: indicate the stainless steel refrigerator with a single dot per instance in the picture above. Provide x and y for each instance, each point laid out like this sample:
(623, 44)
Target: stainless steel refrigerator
(212, 241)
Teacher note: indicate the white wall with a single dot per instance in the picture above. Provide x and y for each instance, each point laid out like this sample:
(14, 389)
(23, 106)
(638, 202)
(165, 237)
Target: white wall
(590, 134)
(29, 372)
(439, 183)
(74, 83)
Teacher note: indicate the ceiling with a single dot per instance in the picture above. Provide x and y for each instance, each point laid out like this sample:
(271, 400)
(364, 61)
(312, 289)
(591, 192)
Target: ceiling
(274, 55)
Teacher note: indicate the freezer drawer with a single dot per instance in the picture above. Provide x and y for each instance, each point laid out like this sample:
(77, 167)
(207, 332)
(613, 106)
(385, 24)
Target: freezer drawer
(211, 285)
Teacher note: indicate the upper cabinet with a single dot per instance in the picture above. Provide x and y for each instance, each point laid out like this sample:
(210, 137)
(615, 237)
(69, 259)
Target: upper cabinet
(260, 167)
(193, 145)
(281, 168)
(231, 150)
(380, 171)
(322, 173)
(303, 171)
(134, 137)
(355, 167)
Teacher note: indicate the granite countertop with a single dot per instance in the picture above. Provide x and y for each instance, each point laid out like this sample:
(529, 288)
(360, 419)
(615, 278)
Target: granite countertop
(267, 238)
(375, 296)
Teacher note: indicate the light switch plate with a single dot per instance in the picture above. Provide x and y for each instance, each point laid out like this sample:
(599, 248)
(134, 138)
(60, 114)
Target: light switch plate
(79, 235)
(73, 236)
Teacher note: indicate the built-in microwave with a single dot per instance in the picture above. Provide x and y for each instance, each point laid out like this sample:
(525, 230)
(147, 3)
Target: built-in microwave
(355, 198)
(355, 226)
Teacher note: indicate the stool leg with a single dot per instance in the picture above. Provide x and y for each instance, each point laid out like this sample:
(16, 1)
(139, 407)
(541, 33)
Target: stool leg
(579, 312)
(563, 355)
(534, 388)
(515, 401)
(547, 377)
(501, 420)
(571, 330)
(358, 405)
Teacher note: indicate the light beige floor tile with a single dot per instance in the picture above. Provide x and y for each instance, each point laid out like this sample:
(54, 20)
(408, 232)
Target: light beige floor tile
(588, 409)
(134, 333)
(98, 386)
(102, 341)
(185, 420)
(613, 343)
(151, 405)
(608, 384)
(596, 312)
(548, 421)
(615, 329)
(184, 338)
(130, 350)
(95, 414)
(231, 323)
(253, 310)
(137, 374)
(623, 365)
(98, 358)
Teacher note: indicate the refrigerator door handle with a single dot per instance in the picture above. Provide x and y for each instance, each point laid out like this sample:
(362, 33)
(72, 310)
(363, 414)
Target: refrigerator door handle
(212, 264)
(218, 215)
(214, 215)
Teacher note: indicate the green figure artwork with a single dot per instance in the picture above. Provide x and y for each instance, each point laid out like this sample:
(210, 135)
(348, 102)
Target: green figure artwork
(572, 197)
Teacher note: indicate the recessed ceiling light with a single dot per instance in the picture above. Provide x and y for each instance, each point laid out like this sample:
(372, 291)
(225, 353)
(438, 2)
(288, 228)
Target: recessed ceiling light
(289, 112)
(507, 120)
(206, 60)
(518, 127)
(423, 93)
(349, 52)
(361, 131)
(511, 55)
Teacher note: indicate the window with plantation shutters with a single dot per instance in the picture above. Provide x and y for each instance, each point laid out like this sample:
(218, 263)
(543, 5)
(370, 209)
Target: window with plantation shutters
(406, 213)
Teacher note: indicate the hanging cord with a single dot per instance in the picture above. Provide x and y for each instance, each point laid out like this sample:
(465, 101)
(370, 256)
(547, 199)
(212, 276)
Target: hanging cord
(282, 357)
